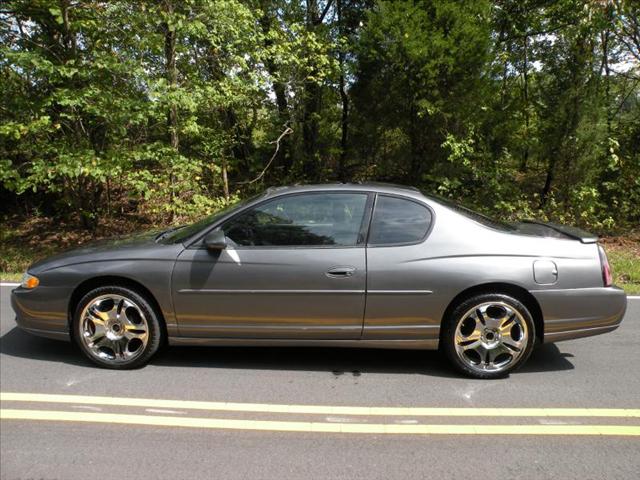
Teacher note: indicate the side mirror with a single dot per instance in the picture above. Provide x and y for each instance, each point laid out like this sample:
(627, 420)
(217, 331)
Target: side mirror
(215, 240)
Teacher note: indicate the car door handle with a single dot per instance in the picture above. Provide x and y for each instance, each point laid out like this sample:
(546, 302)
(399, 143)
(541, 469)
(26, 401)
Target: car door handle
(341, 272)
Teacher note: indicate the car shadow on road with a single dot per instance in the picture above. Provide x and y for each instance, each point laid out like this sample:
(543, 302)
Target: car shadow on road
(335, 361)
(341, 361)
(17, 343)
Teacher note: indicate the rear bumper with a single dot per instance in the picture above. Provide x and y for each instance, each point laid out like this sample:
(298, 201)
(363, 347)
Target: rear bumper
(41, 311)
(580, 312)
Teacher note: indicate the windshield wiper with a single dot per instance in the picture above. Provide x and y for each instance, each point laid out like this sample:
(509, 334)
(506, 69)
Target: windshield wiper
(166, 232)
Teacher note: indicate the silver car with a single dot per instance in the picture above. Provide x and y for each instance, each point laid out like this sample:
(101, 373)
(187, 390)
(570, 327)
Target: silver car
(351, 265)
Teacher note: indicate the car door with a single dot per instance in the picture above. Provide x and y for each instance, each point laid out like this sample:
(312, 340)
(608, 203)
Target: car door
(399, 298)
(294, 267)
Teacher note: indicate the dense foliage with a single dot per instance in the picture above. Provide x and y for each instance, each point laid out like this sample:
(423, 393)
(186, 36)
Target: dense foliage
(172, 108)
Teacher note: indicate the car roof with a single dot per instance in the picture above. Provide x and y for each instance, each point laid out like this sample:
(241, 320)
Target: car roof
(364, 186)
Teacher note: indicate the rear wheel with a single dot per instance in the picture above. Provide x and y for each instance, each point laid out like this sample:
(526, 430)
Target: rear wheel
(489, 335)
(117, 327)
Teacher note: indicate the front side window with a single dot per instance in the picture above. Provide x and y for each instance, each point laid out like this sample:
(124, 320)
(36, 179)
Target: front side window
(398, 221)
(313, 219)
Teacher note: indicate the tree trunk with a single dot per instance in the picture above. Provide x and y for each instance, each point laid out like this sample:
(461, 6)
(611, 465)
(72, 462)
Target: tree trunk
(172, 76)
(171, 73)
(544, 196)
(563, 156)
(225, 180)
(415, 167)
(312, 103)
(344, 138)
(344, 122)
(283, 159)
(310, 129)
(525, 93)
(607, 79)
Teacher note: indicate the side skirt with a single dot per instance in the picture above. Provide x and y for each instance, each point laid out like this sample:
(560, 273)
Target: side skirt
(275, 342)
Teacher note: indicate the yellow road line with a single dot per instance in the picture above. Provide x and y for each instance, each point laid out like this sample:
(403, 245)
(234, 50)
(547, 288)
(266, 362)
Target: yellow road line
(217, 423)
(320, 409)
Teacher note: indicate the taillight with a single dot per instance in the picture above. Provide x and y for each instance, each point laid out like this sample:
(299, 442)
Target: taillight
(607, 276)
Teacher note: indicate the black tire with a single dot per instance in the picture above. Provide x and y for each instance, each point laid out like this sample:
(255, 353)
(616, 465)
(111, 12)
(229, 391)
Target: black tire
(154, 335)
(448, 342)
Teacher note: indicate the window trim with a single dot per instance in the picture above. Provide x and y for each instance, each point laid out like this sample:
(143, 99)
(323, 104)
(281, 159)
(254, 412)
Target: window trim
(401, 244)
(363, 233)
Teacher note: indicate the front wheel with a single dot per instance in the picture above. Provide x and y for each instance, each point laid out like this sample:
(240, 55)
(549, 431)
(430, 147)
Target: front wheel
(489, 336)
(116, 327)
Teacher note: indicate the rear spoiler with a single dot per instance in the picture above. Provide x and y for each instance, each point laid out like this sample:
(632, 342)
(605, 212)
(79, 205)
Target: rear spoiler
(573, 232)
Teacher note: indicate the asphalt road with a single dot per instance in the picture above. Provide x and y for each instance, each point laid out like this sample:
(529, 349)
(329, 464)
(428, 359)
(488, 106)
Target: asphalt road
(594, 373)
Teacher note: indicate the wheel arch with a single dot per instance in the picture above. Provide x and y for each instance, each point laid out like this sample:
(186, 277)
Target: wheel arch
(116, 281)
(521, 294)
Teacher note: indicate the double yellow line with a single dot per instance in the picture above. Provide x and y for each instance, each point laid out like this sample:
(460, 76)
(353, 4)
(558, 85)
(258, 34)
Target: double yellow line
(314, 426)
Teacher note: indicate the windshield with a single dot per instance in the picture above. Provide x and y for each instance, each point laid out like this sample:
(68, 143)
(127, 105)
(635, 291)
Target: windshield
(473, 215)
(181, 233)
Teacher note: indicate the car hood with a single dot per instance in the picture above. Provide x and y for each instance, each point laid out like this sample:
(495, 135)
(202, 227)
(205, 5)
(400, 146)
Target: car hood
(105, 249)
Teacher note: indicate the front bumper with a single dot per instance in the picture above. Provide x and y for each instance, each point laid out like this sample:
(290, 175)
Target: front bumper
(42, 311)
(580, 312)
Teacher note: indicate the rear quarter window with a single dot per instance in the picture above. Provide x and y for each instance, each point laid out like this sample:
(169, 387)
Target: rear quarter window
(398, 221)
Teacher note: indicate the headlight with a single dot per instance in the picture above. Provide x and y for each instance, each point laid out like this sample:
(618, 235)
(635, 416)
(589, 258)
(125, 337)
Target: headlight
(29, 281)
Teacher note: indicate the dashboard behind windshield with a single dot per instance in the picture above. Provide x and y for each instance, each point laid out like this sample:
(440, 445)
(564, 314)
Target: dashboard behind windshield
(184, 233)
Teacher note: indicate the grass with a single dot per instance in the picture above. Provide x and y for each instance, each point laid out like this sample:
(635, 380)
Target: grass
(23, 243)
(10, 277)
(626, 270)
(16, 255)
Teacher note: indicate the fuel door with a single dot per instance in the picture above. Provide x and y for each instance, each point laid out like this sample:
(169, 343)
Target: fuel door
(545, 272)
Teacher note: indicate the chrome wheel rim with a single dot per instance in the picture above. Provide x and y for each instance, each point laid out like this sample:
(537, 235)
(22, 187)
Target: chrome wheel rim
(114, 328)
(491, 336)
